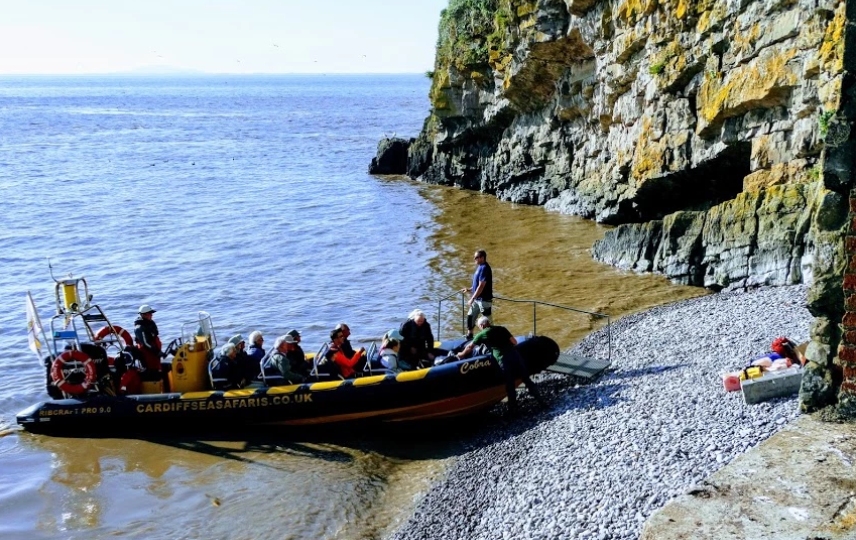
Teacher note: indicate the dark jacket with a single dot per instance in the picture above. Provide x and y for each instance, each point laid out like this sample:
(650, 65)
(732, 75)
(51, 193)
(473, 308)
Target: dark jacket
(146, 334)
(297, 359)
(419, 337)
(252, 366)
(222, 367)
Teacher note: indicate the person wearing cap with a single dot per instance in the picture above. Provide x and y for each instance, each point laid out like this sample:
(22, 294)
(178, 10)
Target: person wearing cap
(389, 352)
(346, 347)
(147, 339)
(225, 371)
(347, 365)
(502, 345)
(249, 359)
(418, 339)
(296, 355)
(279, 358)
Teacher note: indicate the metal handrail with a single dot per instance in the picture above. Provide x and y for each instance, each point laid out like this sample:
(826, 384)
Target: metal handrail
(535, 304)
(440, 313)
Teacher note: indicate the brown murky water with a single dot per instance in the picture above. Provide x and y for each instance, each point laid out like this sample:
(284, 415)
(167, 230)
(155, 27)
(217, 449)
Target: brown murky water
(535, 255)
(267, 485)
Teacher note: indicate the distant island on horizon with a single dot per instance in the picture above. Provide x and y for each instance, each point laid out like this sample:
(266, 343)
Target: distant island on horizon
(176, 71)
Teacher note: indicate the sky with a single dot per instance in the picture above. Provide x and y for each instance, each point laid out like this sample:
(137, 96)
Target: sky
(218, 36)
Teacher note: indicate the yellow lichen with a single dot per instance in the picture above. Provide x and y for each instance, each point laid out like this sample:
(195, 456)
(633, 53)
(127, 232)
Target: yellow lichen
(681, 10)
(759, 84)
(832, 47)
(648, 156)
(632, 10)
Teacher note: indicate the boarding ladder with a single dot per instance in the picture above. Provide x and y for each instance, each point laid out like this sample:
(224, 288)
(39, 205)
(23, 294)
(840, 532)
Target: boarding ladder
(568, 364)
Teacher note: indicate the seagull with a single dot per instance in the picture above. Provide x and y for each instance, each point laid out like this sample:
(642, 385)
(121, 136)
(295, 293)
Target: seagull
(275, 45)
(238, 61)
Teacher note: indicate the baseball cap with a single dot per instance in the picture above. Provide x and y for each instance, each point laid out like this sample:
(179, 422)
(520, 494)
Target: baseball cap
(394, 334)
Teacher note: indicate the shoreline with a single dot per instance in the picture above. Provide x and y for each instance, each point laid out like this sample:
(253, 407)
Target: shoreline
(656, 424)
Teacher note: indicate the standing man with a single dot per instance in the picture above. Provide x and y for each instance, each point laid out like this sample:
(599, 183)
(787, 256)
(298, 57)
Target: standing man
(481, 299)
(146, 335)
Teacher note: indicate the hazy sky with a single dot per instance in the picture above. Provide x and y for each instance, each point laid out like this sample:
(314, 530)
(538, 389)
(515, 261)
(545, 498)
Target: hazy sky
(221, 36)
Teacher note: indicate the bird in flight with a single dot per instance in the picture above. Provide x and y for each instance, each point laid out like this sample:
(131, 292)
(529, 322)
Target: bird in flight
(275, 45)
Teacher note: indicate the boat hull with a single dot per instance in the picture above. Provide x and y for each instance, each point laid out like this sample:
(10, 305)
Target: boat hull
(444, 391)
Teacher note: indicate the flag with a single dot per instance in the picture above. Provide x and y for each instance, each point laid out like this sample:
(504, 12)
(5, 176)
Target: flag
(34, 325)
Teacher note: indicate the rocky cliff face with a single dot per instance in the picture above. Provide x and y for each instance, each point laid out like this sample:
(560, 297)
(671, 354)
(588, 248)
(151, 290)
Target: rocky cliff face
(698, 126)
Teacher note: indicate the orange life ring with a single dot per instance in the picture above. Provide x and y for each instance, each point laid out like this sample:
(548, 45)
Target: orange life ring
(123, 334)
(60, 365)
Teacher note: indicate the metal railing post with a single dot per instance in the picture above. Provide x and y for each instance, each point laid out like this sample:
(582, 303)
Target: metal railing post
(534, 319)
(464, 328)
(439, 326)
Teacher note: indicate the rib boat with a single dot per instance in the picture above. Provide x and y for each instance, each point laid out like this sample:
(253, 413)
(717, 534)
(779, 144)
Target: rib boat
(82, 376)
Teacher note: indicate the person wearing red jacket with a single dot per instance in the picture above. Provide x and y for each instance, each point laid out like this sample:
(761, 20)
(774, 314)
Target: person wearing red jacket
(347, 364)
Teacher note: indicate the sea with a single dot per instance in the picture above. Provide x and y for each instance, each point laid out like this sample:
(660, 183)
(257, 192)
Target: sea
(247, 197)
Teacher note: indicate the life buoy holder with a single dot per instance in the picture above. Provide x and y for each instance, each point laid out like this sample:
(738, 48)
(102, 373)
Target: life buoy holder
(123, 334)
(61, 364)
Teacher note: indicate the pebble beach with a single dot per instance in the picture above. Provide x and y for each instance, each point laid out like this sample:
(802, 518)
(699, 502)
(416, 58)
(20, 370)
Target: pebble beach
(608, 453)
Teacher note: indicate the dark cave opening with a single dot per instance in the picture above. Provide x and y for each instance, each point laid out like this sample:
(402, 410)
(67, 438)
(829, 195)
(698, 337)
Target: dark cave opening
(712, 182)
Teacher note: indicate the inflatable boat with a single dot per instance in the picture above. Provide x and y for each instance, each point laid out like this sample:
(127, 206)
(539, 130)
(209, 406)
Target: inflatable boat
(81, 370)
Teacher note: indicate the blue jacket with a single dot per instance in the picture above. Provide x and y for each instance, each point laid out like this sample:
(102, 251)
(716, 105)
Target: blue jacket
(255, 352)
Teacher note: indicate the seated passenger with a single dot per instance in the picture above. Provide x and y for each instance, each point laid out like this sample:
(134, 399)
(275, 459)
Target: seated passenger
(295, 354)
(389, 352)
(347, 364)
(418, 340)
(255, 353)
(346, 347)
(225, 371)
(243, 361)
(279, 358)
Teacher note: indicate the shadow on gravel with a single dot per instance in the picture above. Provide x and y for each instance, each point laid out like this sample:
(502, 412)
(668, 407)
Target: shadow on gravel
(641, 372)
(562, 399)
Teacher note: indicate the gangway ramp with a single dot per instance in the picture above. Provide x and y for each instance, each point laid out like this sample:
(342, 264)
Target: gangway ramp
(579, 366)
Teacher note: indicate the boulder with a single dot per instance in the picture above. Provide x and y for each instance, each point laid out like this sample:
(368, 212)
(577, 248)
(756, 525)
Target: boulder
(391, 156)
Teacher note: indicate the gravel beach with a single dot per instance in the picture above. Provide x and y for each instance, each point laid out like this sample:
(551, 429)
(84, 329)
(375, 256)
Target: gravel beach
(606, 454)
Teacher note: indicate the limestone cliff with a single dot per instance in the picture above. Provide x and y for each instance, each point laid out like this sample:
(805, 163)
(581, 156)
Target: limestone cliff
(698, 126)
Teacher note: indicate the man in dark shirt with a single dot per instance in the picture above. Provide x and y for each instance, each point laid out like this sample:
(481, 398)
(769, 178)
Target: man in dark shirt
(296, 356)
(502, 344)
(481, 299)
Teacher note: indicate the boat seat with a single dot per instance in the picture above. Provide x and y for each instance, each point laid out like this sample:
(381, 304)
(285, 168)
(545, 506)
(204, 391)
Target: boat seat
(217, 383)
(323, 369)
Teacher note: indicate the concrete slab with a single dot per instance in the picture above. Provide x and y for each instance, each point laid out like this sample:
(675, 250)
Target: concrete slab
(772, 384)
(799, 484)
